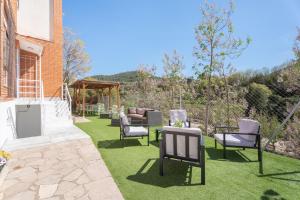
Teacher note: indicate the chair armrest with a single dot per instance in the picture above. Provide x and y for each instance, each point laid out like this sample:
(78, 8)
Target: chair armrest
(136, 125)
(223, 127)
(202, 142)
(237, 133)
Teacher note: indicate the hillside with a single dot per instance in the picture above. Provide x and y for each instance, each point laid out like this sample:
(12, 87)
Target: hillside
(129, 76)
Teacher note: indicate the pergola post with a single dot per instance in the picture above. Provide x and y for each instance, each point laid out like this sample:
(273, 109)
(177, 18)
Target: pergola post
(118, 96)
(83, 100)
(78, 97)
(75, 99)
(109, 93)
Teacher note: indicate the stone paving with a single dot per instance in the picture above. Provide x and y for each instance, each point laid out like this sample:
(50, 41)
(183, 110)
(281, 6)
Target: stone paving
(72, 170)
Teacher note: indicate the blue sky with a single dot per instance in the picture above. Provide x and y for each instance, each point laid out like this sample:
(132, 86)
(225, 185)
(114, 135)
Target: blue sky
(120, 35)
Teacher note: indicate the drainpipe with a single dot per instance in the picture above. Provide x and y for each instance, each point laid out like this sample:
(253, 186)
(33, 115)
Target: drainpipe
(41, 92)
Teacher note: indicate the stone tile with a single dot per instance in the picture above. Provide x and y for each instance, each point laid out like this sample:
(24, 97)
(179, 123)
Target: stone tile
(8, 184)
(83, 179)
(75, 192)
(73, 175)
(32, 154)
(28, 195)
(49, 180)
(17, 188)
(65, 187)
(30, 177)
(47, 191)
(108, 189)
(89, 153)
(20, 172)
(46, 173)
(50, 153)
(53, 198)
(84, 197)
(37, 162)
(96, 171)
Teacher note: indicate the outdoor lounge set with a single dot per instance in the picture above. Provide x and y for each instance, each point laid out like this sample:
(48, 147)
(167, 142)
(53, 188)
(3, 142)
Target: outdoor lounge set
(183, 143)
(145, 116)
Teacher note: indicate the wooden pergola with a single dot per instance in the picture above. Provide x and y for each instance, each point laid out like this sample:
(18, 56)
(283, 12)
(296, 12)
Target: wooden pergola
(83, 85)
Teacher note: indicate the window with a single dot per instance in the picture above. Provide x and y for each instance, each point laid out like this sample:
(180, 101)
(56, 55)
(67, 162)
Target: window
(6, 52)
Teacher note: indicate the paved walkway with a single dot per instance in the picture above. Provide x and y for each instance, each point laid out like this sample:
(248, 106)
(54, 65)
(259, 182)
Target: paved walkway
(70, 170)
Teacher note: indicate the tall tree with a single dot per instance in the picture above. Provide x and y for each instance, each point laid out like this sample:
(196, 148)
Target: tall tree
(76, 59)
(173, 67)
(296, 47)
(216, 46)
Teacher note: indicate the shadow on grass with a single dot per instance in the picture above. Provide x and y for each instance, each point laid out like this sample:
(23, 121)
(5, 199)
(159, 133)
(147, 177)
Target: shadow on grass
(231, 155)
(271, 195)
(154, 143)
(116, 144)
(280, 174)
(175, 174)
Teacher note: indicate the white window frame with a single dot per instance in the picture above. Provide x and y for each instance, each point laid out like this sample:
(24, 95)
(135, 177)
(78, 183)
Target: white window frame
(6, 50)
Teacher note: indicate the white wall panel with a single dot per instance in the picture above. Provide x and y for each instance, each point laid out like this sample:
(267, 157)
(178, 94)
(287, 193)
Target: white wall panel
(35, 18)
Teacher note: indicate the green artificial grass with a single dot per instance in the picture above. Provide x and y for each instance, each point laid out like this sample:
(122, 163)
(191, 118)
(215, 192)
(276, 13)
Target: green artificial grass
(135, 168)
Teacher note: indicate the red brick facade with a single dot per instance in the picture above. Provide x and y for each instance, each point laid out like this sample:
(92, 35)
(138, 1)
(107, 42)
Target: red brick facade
(51, 58)
(8, 28)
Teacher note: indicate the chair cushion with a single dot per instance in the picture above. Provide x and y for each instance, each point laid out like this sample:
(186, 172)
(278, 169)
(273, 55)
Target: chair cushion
(137, 131)
(124, 119)
(181, 149)
(136, 116)
(195, 131)
(248, 126)
(131, 110)
(140, 111)
(234, 140)
(178, 115)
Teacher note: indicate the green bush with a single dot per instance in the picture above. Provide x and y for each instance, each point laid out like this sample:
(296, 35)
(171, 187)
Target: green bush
(257, 97)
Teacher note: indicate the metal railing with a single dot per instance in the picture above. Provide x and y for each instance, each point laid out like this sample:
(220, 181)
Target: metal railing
(30, 89)
(66, 96)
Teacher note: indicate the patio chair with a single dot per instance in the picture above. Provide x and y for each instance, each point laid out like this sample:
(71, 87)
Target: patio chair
(247, 136)
(176, 115)
(128, 130)
(183, 144)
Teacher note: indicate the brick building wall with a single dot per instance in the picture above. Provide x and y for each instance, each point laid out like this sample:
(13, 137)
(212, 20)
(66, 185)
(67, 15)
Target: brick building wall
(8, 14)
(51, 59)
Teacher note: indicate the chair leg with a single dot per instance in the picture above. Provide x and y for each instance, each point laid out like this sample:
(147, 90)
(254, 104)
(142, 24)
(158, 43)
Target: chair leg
(203, 175)
(224, 152)
(215, 143)
(161, 159)
(161, 166)
(260, 161)
(202, 166)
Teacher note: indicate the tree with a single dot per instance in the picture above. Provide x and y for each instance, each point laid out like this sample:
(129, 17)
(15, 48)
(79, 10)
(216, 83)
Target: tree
(216, 46)
(257, 97)
(173, 67)
(76, 59)
(296, 47)
(146, 84)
